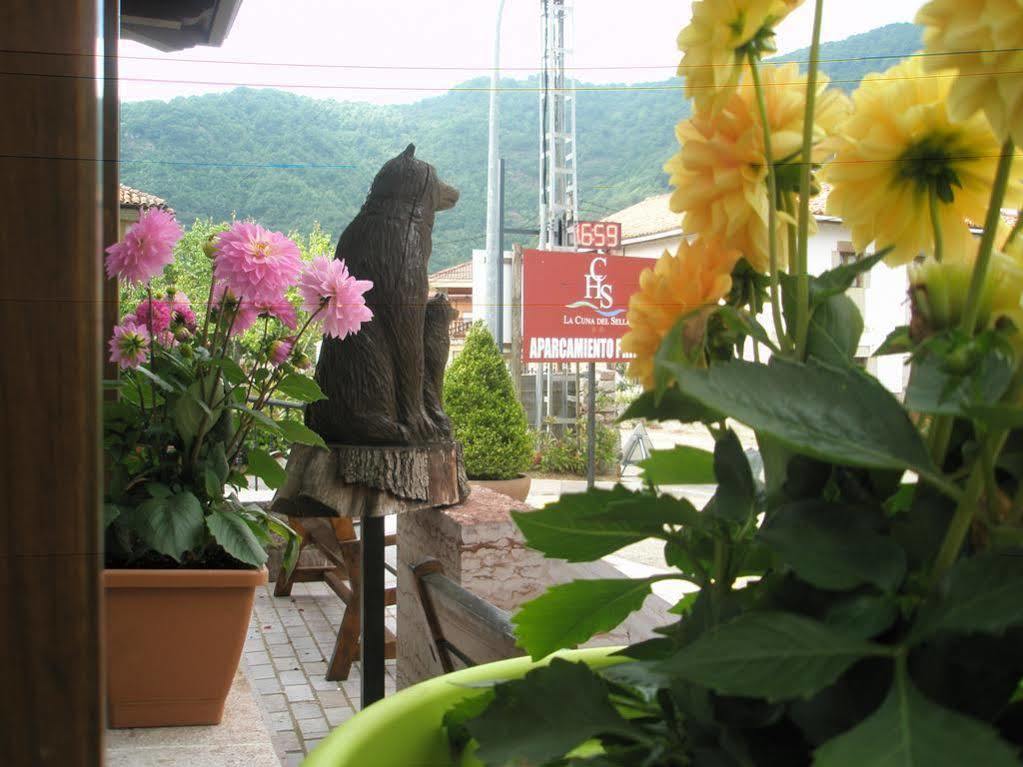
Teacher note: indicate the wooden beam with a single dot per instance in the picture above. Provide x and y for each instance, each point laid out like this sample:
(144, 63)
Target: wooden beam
(50, 312)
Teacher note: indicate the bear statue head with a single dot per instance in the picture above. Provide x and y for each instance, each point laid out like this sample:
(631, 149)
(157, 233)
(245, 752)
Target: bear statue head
(406, 181)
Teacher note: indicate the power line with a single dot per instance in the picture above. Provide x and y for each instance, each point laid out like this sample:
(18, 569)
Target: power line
(486, 89)
(304, 166)
(438, 68)
(184, 163)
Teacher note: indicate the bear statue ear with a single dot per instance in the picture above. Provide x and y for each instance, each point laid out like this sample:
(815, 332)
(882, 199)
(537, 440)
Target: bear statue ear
(410, 151)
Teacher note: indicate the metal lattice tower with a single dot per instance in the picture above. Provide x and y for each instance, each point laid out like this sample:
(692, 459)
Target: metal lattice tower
(558, 178)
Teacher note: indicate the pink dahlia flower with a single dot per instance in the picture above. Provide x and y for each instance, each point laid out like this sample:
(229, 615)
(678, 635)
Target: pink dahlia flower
(224, 299)
(256, 264)
(330, 292)
(147, 247)
(181, 309)
(129, 344)
(280, 350)
(281, 308)
(166, 338)
(155, 315)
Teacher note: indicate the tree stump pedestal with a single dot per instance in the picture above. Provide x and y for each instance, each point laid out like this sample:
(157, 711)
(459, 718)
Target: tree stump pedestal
(368, 483)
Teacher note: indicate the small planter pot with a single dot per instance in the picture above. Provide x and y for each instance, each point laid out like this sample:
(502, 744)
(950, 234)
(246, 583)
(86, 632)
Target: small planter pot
(173, 642)
(517, 488)
(368, 739)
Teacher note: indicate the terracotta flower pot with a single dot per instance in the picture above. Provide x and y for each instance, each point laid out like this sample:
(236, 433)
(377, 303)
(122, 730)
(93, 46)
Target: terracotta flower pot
(173, 642)
(517, 488)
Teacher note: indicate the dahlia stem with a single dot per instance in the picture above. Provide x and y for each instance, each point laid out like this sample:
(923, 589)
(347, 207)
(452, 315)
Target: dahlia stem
(939, 239)
(987, 240)
(802, 276)
(772, 211)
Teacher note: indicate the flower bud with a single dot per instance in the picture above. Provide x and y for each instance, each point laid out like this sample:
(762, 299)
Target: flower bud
(209, 247)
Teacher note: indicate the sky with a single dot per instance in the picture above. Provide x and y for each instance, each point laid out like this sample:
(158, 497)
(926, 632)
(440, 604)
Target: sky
(399, 51)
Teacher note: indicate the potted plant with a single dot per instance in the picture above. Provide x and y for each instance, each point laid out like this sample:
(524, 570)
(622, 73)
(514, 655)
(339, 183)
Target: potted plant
(857, 605)
(487, 417)
(183, 553)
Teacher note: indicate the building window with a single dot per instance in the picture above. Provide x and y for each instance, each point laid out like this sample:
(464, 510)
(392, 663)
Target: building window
(846, 254)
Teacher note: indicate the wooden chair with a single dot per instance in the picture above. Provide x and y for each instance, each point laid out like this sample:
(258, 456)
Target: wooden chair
(463, 627)
(337, 540)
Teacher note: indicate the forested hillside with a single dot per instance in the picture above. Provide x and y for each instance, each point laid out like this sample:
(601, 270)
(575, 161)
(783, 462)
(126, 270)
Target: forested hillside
(289, 161)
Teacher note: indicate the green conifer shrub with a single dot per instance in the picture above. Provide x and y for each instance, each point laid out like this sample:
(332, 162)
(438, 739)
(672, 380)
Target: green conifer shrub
(488, 418)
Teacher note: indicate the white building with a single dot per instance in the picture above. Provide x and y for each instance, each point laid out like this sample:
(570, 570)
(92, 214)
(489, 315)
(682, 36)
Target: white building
(650, 227)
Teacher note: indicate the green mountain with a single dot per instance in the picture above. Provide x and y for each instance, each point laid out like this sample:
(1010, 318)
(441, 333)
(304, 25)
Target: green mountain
(289, 161)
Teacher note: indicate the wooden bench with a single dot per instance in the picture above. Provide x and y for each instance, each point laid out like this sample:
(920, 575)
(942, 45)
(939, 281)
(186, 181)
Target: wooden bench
(337, 540)
(465, 630)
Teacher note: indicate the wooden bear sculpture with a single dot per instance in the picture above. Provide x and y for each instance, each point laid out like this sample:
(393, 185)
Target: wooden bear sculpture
(383, 384)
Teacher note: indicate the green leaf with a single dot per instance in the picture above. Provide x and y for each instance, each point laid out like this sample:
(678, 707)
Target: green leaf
(544, 715)
(736, 490)
(300, 387)
(233, 372)
(111, 511)
(981, 594)
(294, 431)
(840, 279)
(835, 329)
(218, 461)
(154, 378)
(672, 405)
(214, 484)
(772, 655)
(863, 616)
(997, 416)
(744, 323)
(908, 730)
(193, 417)
(465, 709)
(233, 533)
(827, 546)
(837, 414)
(571, 613)
(586, 526)
(682, 465)
(170, 525)
(897, 342)
(259, 419)
(264, 466)
(937, 386)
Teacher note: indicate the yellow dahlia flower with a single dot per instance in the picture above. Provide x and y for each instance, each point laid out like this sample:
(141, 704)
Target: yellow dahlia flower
(697, 276)
(898, 146)
(984, 43)
(720, 172)
(715, 43)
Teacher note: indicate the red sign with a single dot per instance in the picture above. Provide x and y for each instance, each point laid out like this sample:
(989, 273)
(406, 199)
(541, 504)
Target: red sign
(602, 235)
(574, 305)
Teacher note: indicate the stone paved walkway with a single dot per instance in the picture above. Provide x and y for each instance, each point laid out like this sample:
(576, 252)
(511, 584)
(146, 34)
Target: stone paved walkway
(289, 643)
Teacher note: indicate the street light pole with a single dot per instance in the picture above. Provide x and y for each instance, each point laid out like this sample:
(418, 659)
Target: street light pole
(495, 258)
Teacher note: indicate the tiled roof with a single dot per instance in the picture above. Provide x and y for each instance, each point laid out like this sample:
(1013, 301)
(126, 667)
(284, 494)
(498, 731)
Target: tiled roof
(134, 198)
(651, 216)
(457, 275)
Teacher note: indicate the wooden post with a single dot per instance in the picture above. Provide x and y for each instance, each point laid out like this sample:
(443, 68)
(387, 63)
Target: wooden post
(516, 319)
(50, 312)
(111, 171)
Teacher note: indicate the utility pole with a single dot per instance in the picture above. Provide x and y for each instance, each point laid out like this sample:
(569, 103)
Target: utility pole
(495, 254)
(559, 178)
